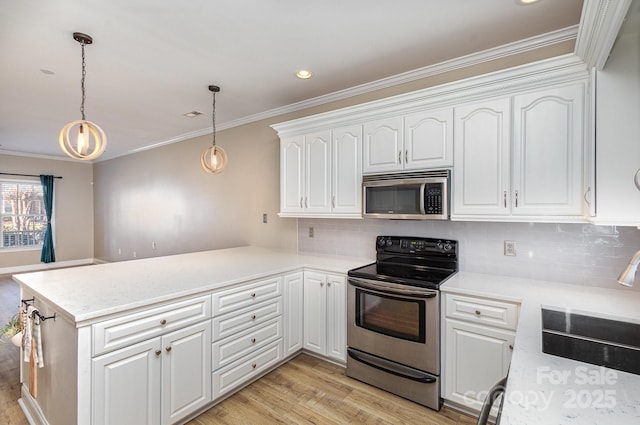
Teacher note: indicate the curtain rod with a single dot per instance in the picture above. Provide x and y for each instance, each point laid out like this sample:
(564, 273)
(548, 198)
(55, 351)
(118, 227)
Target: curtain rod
(26, 175)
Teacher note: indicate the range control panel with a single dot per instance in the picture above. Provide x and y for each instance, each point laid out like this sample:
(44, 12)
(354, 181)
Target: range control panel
(409, 245)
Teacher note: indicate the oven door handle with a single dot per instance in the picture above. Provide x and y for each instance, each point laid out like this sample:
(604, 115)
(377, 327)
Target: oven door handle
(389, 289)
(394, 369)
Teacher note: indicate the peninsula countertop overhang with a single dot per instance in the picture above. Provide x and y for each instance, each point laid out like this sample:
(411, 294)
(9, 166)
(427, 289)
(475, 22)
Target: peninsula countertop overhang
(82, 294)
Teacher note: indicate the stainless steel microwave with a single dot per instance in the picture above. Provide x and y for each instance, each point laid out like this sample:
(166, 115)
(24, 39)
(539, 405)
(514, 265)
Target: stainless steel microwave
(410, 196)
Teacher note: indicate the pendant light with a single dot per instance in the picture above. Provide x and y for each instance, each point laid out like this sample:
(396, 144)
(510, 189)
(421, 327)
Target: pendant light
(90, 140)
(213, 159)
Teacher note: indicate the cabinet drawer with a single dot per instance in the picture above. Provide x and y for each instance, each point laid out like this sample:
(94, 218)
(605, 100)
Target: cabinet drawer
(231, 324)
(247, 369)
(237, 346)
(501, 314)
(136, 327)
(246, 295)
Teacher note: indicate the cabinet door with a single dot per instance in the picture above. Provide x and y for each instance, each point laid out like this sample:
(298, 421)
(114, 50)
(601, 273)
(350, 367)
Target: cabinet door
(186, 371)
(318, 172)
(481, 158)
(383, 145)
(548, 129)
(293, 319)
(346, 179)
(315, 307)
(428, 139)
(337, 317)
(126, 387)
(292, 174)
(476, 357)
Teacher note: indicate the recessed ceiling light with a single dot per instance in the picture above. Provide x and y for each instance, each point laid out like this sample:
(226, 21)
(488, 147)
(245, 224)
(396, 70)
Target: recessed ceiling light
(192, 114)
(304, 74)
(526, 2)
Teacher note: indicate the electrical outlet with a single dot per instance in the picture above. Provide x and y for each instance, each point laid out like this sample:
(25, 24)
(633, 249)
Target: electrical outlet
(135, 254)
(264, 217)
(153, 246)
(310, 232)
(509, 248)
(119, 251)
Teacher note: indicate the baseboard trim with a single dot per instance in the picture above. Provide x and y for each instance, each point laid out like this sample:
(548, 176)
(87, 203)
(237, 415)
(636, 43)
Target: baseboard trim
(30, 408)
(46, 266)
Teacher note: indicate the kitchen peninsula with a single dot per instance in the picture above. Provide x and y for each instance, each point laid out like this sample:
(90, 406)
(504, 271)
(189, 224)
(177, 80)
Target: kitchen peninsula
(134, 339)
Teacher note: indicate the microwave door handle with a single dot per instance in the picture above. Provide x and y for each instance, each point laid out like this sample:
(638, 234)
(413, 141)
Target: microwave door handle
(422, 187)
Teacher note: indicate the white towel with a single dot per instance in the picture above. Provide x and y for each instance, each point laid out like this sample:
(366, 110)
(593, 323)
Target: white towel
(33, 331)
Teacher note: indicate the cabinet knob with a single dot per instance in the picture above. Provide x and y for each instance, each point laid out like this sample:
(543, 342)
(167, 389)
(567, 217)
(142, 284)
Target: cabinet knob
(478, 312)
(510, 346)
(328, 284)
(158, 352)
(253, 340)
(253, 295)
(253, 317)
(163, 322)
(253, 366)
(321, 284)
(168, 348)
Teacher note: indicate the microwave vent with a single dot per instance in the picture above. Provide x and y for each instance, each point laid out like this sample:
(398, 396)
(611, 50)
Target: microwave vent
(399, 176)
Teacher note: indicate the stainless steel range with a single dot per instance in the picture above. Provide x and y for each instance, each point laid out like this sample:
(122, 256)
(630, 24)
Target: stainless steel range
(393, 321)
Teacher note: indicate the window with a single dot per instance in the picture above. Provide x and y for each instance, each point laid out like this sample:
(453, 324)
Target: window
(24, 219)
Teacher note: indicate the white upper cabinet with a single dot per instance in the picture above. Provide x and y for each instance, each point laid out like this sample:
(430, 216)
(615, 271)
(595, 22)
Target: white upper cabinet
(321, 174)
(517, 140)
(346, 177)
(383, 146)
(317, 172)
(416, 141)
(482, 158)
(428, 139)
(548, 129)
(522, 157)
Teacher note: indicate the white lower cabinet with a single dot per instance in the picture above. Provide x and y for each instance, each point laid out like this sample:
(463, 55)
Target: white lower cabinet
(247, 334)
(158, 381)
(293, 319)
(325, 314)
(479, 334)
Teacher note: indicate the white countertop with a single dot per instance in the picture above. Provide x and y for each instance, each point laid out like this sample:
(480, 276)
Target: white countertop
(548, 390)
(89, 292)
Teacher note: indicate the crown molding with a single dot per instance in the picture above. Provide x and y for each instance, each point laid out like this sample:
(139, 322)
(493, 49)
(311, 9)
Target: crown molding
(41, 156)
(600, 24)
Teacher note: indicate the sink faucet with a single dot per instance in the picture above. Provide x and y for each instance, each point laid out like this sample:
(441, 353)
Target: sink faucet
(627, 277)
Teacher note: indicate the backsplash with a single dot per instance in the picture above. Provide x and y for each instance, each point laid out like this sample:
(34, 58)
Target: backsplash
(582, 254)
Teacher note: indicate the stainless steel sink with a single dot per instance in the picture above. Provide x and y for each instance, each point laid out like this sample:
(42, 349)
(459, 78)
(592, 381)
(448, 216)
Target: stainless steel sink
(603, 342)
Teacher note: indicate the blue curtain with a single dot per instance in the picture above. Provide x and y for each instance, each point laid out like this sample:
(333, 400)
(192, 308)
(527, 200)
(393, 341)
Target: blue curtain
(47, 255)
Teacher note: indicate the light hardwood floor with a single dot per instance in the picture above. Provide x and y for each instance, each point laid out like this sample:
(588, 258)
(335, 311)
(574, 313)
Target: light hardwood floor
(305, 390)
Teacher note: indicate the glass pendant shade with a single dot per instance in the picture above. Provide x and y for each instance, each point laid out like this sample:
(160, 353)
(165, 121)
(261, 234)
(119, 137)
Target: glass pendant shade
(213, 160)
(90, 141)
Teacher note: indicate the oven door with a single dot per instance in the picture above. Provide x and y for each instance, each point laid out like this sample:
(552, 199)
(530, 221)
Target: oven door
(396, 322)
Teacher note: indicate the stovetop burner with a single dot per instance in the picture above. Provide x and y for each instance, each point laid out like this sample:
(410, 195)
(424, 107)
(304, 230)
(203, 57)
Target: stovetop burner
(422, 262)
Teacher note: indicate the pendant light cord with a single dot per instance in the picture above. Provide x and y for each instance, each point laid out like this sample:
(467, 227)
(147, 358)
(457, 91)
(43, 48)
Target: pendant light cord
(214, 119)
(84, 74)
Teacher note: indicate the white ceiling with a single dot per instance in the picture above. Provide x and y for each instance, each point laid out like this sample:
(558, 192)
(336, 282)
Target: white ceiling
(152, 60)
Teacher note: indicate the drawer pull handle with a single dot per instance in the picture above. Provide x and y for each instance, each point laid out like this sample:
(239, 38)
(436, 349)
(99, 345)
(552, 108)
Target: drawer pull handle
(253, 340)
(163, 322)
(253, 366)
(510, 346)
(253, 295)
(478, 312)
(158, 352)
(168, 348)
(253, 317)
